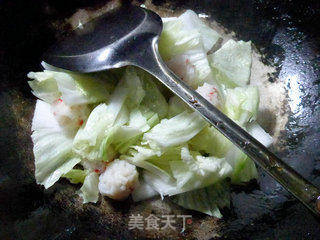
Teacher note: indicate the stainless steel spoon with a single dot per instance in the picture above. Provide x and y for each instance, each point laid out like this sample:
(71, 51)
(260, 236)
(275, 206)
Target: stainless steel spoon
(129, 36)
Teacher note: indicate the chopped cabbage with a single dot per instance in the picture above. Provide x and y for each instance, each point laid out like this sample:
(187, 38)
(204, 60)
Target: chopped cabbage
(127, 135)
(89, 192)
(73, 88)
(175, 131)
(184, 33)
(153, 101)
(91, 141)
(76, 175)
(143, 191)
(52, 148)
(112, 124)
(231, 64)
(244, 168)
(153, 160)
(176, 106)
(89, 120)
(178, 170)
(242, 104)
(44, 86)
(191, 22)
(206, 200)
(210, 141)
(195, 171)
(184, 44)
(179, 40)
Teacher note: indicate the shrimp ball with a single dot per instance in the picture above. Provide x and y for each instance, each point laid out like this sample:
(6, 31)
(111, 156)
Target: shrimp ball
(118, 180)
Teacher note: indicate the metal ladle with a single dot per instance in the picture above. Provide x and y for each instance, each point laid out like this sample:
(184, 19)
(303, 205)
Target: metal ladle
(129, 36)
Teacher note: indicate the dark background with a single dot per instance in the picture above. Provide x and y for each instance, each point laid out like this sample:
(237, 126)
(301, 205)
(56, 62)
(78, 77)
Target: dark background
(286, 32)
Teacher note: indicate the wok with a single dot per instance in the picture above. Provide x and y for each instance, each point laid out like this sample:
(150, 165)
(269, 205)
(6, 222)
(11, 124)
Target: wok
(287, 35)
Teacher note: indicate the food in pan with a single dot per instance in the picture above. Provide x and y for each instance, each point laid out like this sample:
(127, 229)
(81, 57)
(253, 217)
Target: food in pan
(119, 133)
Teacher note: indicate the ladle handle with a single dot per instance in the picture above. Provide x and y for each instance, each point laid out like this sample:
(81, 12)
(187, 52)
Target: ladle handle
(302, 189)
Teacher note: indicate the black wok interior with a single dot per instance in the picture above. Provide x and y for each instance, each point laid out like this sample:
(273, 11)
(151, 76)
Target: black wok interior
(286, 32)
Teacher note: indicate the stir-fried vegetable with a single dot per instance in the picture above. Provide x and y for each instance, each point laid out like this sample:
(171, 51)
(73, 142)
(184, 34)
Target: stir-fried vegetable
(83, 122)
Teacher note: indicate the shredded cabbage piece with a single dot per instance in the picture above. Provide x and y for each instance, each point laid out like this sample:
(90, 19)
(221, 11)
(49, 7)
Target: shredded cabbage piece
(184, 44)
(73, 88)
(175, 131)
(231, 63)
(178, 170)
(76, 176)
(52, 148)
(206, 200)
(89, 191)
